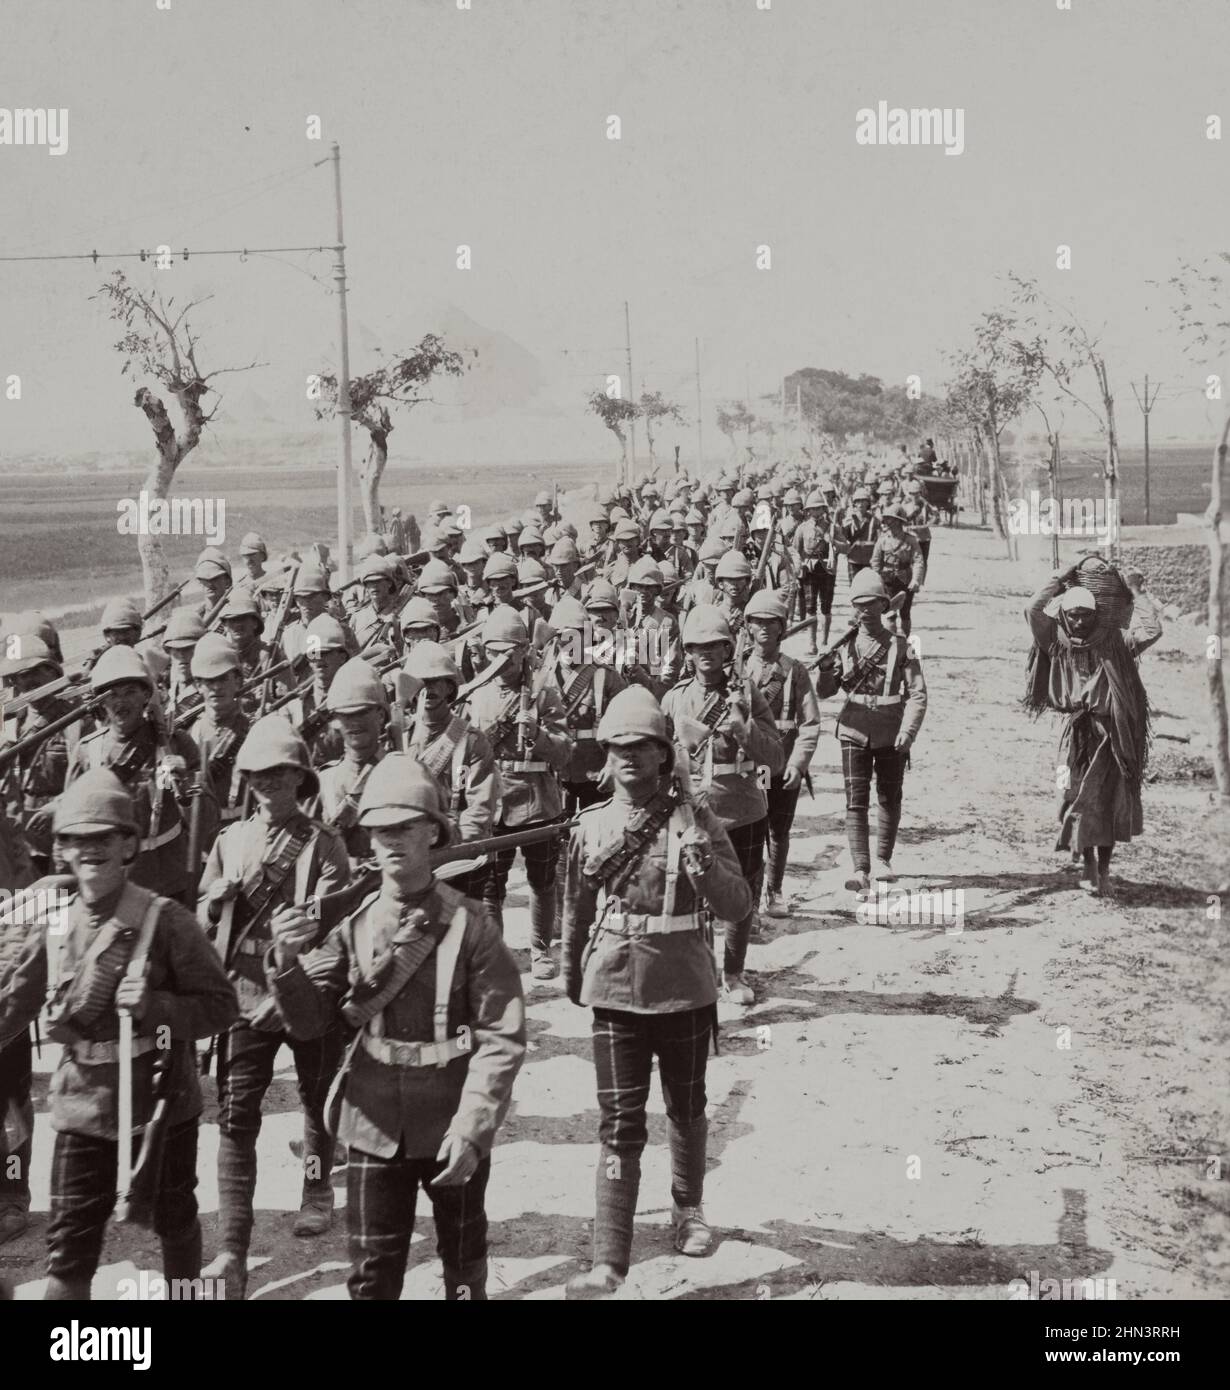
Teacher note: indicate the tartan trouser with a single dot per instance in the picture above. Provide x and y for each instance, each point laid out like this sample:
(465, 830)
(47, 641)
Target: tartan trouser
(816, 587)
(15, 1080)
(381, 1196)
(897, 586)
(748, 844)
(539, 870)
(782, 803)
(246, 1059)
(857, 764)
(83, 1178)
(625, 1045)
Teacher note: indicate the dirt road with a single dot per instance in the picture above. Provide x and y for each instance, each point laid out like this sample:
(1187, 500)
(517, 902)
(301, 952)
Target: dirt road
(932, 1109)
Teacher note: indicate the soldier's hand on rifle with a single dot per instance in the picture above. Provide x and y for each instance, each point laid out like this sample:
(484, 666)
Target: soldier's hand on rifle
(222, 890)
(696, 852)
(460, 1159)
(904, 741)
(293, 932)
(735, 723)
(528, 725)
(132, 996)
(791, 778)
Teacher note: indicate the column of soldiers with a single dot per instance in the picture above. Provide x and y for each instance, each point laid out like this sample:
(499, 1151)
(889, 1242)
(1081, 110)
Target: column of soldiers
(256, 822)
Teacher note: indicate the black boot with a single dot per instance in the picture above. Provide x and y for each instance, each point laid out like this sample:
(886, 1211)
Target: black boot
(67, 1290)
(467, 1283)
(542, 928)
(181, 1263)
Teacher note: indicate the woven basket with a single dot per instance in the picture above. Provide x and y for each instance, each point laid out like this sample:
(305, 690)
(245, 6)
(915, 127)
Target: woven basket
(1110, 592)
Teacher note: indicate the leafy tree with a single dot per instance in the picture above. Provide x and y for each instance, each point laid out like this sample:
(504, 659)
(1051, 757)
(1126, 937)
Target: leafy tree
(652, 407)
(615, 413)
(403, 381)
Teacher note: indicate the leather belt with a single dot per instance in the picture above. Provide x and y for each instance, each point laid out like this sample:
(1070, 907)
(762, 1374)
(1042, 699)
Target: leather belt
(230, 813)
(412, 1054)
(874, 701)
(583, 733)
(733, 769)
(97, 1054)
(787, 725)
(512, 765)
(645, 924)
(250, 947)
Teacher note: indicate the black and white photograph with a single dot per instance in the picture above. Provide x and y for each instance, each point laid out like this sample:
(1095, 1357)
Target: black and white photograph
(612, 675)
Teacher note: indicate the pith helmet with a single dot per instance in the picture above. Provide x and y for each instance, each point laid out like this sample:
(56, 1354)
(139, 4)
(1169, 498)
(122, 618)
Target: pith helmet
(865, 585)
(376, 567)
(184, 628)
(439, 508)
(645, 571)
(531, 578)
(861, 494)
(437, 577)
(627, 531)
(601, 594)
(704, 624)
(734, 565)
(29, 652)
(121, 612)
(324, 634)
(594, 514)
(356, 687)
(419, 612)
(214, 656)
(272, 742)
(543, 499)
(631, 716)
(116, 665)
(530, 535)
(743, 498)
(241, 604)
(400, 789)
(791, 497)
(212, 564)
(568, 614)
(660, 520)
(430, 661)
(95, 803)
(253, 544)
(504, 629)
(712, 549)
(473, 553)
(311, 579)
(564, 552)
(694, 517)
(500, 566)
(815, 498)
(766, 604)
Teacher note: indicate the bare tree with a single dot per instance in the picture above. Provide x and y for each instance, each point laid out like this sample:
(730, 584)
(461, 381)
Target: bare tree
(400, 382)
(159, 344)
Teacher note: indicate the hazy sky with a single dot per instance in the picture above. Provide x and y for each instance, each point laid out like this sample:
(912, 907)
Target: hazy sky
(488, 127)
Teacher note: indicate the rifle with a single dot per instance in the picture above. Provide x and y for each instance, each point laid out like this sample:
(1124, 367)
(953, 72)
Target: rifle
(212, 616)
(39, 736)
(279, 624)
(196, 823)
(185, 717)
(762, 563)
(21, 703)
(165, 602)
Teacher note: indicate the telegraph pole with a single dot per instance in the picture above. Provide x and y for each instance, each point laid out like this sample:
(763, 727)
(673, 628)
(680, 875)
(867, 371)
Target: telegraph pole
(1145, 407)
(700, 433)
(631, 388)
(345, 508)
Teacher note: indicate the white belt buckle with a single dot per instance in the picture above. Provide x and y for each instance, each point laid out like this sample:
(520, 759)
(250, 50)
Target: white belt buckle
(615, 915)
(872, 701)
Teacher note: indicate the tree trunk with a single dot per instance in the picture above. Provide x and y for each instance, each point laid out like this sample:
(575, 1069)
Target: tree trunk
(1052, 478)
(369, 479)
(155, 571)
(996, 467)
(653, 463)
(1216, 675)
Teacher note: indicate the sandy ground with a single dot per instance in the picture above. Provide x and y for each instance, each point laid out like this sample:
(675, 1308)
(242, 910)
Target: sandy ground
(926, 1110)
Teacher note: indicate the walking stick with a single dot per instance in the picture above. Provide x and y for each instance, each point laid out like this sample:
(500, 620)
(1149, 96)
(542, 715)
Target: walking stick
(124, 1124)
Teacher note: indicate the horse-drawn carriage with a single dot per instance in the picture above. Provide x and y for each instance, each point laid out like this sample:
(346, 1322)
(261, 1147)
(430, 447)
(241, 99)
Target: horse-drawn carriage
(941, 493)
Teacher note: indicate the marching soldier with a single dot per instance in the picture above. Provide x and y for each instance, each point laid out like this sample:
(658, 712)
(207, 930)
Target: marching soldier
(377, 619)
(473, 595)
(437, 583)
(34, 781)
(434, 995)
(242, 623)
(527, 733)
(254, 553)
(212, 572)
(654, 655)
(702, 587)
(152, 763)
(886, 700)
(599, 548)
(727, 730)
(790, 696)
(258, 871)
(184, 631)
(311, 599)
(222, 726)
(327, 652)
(860, 531)
(117, 947)
(814, 545)
(627, 552)
(16, 1058)
(641, 868)
(898, 561)
(564, 560)
(359, 708)
(919, 515)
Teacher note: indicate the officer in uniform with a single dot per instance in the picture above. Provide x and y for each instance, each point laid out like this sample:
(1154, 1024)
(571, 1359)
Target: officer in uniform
(886, 700)
(433, 992)
(788, 691)
(212, 572)
(253, 552)
(376, 620)
(327, 652)
(523, 720)
(155, 765)
(817, 560)
(184, 631)
(223, 725)
(258, 871)
(860, 531)
(726, 729)
(641, 869)
(898, 560)
(654, 656)
(115, 947)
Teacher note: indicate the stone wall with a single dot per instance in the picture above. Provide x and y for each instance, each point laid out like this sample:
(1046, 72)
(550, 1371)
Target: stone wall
(1176, 575)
